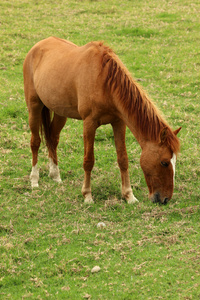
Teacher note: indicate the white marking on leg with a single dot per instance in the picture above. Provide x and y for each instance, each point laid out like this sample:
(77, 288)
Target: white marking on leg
(173, 162)
(128, 195)
(34, 176)
(54, 172)
(131, 199)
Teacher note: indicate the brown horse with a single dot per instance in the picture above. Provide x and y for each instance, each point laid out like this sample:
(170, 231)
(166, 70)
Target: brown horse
(90, 83)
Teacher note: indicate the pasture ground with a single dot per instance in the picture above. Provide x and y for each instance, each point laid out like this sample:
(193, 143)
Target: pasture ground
(49, 240)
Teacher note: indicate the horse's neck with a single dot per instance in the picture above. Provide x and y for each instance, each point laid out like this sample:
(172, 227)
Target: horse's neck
(133, 128)
(142, 134)
(135, 108)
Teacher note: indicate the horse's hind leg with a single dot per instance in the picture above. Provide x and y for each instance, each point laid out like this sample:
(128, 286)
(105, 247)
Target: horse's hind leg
(34, 123)
(56, 126)
(119, 129)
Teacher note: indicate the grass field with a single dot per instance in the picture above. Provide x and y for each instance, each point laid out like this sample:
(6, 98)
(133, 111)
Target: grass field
(49, 240)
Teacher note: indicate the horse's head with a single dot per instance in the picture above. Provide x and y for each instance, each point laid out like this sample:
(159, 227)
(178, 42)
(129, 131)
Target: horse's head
(158, 164)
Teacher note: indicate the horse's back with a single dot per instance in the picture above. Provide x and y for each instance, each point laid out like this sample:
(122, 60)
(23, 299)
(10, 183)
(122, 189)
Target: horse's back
(47, 51)
(52, 43)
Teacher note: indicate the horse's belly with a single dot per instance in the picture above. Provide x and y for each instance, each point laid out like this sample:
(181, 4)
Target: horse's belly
(67, 111)
(56, 100)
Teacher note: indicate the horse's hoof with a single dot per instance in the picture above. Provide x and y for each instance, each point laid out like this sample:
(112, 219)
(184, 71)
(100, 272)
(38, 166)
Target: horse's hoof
(34, 185)
(132, 200)
(89, 200)
(57, 179)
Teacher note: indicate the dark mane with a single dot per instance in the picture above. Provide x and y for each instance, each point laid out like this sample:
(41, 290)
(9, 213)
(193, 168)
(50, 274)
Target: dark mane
(135, 101)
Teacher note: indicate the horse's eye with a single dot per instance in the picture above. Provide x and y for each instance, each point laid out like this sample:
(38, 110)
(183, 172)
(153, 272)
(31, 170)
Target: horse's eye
(164, 164)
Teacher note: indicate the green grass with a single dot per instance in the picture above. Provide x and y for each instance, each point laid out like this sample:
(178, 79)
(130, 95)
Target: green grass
(49, 240)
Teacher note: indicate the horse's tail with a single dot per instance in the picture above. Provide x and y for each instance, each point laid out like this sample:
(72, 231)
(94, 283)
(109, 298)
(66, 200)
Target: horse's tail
(45, 127)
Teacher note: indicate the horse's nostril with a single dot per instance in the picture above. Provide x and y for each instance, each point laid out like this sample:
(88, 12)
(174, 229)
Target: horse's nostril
(166, 200)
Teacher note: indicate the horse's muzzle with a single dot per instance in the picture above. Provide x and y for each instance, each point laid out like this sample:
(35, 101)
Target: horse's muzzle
(156, 198)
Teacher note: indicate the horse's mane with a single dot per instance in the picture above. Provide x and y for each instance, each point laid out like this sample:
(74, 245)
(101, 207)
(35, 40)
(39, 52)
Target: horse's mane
(135, 101)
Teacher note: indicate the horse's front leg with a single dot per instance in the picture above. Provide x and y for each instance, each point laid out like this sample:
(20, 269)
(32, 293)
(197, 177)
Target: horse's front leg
(119, 129)
(89, 129)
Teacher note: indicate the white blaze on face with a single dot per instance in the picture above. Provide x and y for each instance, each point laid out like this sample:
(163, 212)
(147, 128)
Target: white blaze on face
(173, 162)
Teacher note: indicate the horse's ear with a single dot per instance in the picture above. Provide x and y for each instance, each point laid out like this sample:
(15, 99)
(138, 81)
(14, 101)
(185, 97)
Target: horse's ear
(177, 131)
(163, 135)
